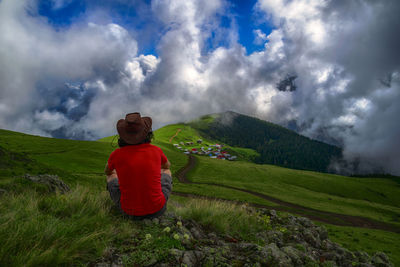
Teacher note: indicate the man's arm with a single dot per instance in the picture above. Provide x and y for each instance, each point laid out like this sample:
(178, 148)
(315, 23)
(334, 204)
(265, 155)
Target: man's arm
(111, 174)
(165, 168)
(166, 165)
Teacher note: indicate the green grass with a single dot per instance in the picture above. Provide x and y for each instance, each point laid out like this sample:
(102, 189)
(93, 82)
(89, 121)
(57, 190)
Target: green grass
(370, 241)
(39, 228)
(368, 197)
(220, 193)
(223, 217)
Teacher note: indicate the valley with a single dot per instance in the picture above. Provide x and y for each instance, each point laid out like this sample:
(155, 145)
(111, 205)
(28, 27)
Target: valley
(353, 210)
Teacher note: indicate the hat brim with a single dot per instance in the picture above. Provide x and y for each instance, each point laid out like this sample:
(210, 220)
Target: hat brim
(137, 137)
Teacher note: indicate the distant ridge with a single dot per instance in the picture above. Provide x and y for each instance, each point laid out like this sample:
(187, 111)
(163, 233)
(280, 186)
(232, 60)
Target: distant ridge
(275, 144)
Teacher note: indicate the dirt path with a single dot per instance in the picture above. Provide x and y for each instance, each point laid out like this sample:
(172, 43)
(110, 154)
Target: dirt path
(313, 214)
(172, 137)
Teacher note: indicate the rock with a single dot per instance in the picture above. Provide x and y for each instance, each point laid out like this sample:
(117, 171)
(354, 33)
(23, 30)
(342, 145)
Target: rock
(344, 254)
(199, 255)
(272, 213)
(2, 191)
(147, 222)
(296, 238)
(327, 245)
(380, 259)
(189, 259)
(292, 242)
(275, 237)
(247, 246)
(277, 257)
(305, 222)
(151, 262)
(329, 256)
(196, 233)
(103, 264)
(52, 181)
(362, 256)
(176, 253)
(293, 254)
(312, 238)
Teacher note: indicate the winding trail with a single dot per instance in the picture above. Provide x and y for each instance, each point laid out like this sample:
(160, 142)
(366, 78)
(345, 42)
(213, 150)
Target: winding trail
(313, 214)
(172, 137)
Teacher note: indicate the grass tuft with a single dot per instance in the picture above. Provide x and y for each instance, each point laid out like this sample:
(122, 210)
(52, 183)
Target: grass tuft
(223, 217)
(53, 230)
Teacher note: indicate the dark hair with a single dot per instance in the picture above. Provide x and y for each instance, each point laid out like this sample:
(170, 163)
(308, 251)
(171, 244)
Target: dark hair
(147, 139)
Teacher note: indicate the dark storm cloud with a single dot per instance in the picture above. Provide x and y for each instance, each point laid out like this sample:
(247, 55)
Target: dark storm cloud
(341, 51)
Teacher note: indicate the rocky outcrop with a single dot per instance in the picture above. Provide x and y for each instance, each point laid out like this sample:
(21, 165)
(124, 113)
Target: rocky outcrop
(288, 241)
(51, 181)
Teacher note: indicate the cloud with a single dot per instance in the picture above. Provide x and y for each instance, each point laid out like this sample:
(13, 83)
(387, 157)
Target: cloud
(340, 52)
(260, 37)
(77, 81)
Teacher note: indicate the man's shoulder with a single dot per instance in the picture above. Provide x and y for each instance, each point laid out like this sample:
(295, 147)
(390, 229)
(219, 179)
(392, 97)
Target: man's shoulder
(155, 147)
(116, 151)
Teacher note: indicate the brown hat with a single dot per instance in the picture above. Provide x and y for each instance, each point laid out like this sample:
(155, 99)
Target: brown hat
(134, 129)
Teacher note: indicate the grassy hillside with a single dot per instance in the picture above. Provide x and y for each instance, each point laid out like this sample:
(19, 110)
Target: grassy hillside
(275, 144)
(375, 198)
(38, 227)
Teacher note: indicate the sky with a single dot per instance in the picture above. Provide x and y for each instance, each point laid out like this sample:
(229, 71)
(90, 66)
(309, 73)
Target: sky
(71, 69)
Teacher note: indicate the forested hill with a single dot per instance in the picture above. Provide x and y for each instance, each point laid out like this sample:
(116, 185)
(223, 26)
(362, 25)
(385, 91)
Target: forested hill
(275, 144)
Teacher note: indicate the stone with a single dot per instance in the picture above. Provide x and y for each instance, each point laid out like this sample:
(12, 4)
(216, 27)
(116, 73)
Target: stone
(197, 233)
(52, 181)
(247, 246)
(312, 238)
(272, 213)
(147, 222)
(275, 237)
(189, 259)
(327, 245)
(176, 253)
(323, 233)
(199, 255)
(329, 256)
(277, 257)
(293, 254)
(362, 256)
(151, 261)
(305, 221)
(380, 259)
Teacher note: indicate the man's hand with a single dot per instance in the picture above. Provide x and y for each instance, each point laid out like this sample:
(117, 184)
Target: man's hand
(165, 168)
(111, 174)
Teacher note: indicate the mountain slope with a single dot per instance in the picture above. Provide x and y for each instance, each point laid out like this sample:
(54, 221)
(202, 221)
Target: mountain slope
(275, 144)
(79, 227)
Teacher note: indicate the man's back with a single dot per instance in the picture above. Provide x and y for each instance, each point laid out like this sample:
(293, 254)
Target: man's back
(138, 170)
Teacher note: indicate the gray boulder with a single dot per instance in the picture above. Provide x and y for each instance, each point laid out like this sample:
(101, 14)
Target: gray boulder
(52, 181)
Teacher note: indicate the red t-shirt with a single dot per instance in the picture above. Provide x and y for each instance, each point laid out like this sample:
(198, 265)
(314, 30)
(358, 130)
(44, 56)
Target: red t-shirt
(139, 174)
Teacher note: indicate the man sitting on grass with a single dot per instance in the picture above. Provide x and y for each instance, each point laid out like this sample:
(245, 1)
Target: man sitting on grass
(138, 176)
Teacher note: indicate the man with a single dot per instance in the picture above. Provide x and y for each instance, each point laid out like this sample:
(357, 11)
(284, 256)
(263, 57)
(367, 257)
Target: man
(138, 176)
